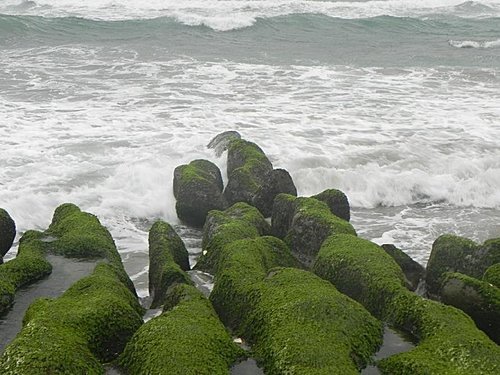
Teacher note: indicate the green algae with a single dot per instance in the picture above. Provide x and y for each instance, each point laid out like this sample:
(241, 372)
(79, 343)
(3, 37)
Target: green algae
(187, 338)
(90, 323)
(28, 266)
(479, 299)
(336, 201)
(168, 259)
(492, 275)
(223, 227)
(448, 340)
(304, 223)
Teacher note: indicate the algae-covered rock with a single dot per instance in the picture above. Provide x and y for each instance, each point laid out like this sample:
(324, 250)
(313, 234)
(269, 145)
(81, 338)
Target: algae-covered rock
(168, 258)
(457, 254)
(223, 227)
(296, 322)
(337, 201)
(198, 189)
(301, 324)
(448, 340)
(414, 272)
(242, 264)
(187, 338)
(479, 299)
(7, 232)
(304, 223)
(221, 142)
(492, 275)
(279, 181)
(89, 324)
(28, 266)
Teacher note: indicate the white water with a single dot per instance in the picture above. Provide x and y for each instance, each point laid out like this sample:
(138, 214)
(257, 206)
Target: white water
(225, 15)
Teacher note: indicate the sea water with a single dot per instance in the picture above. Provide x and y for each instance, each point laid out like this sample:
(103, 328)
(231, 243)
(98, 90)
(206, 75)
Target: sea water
(395, 102)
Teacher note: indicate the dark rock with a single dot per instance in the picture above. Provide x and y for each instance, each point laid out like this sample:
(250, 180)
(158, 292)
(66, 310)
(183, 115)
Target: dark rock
(413, 271)
(456, 254)
(220, 142)
(7, 232)
(279, 181)
(337, 201)
(309, 224)
(479, 299)
(198, 189)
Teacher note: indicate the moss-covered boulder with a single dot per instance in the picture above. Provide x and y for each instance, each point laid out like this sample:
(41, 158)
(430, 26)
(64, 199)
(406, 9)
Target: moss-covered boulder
(337, 201)
(187, 338)
(243, 264)
(479, 299)
(448, 340)
(223, 227)
(301, 324)
(304, 223)
(413, 271)
(78, 234)
(168, 258)
(7, 232)
(457, 254)
(492, 275)
(27, 267)
(221, 142)
(279, 181)
(198, 189)
(296, 322)
(73, 334)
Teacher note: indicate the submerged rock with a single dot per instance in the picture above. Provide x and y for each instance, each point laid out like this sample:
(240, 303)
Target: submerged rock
(457, 254)
(198, 189)
(168, 259)
(187, 338)
(337, 201)
(479, 299)
(7, 232)
(448, 340)
(413, 271)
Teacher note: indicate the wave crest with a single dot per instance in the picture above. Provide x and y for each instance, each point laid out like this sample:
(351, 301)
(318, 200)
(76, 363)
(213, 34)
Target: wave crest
(475, 44)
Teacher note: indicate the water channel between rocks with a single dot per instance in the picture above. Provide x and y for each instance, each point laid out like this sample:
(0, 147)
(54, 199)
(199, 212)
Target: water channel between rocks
(65, 272)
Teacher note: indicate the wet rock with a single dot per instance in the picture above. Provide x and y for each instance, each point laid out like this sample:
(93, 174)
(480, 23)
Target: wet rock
(479, 299)
(492, 275)
(457, 254)
(337, 201)
(7, 232)
(168, 259)
(198, 189)
(279, 181)
(414, 272)
(220, 142)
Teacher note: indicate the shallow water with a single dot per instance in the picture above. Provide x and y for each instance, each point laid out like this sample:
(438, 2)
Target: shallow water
(65, 272)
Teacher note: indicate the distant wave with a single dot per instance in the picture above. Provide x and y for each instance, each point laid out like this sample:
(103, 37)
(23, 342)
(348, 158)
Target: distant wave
(475, 43)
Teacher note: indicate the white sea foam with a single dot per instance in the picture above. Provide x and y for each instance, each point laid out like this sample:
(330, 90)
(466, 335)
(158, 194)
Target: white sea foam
(225, 15)
(475, 43)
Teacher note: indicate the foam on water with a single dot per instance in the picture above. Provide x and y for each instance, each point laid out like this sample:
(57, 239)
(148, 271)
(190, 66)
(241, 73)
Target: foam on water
(475, 43)
(225, 15)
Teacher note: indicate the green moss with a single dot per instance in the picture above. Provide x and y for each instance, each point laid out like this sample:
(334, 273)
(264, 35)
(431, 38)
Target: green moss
(168, 259)
(187, 339)
(456, 254)
(479, 299)
(242, 264)
(491, 251)
(28, 266)
(300, 324)
(360, 269)
(223, 227)
(336, 201)
(448, 340)
(88, 324)
(305, 223)
(7, 232)
(241, 152)
(492, 275)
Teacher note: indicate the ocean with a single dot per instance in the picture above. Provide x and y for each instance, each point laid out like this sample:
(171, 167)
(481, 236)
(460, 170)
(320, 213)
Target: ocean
(395, 102)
